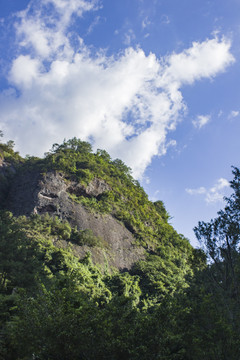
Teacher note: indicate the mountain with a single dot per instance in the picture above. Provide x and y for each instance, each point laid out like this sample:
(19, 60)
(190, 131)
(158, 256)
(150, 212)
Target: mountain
(91, 193)
(91, 269)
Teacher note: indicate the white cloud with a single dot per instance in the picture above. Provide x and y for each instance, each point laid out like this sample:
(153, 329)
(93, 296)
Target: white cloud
(126, 104)
(214, 194)
(129, 37)
(233, 114)
(201, 121)
(146, 22)
(198, 191)
(201, 60)
(95, 22)
(44, 31)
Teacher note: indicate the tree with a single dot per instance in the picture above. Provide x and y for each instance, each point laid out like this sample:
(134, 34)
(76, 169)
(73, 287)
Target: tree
(159, 206)
(103, 154)
(221, 238)
(20, 255)
(123, 168)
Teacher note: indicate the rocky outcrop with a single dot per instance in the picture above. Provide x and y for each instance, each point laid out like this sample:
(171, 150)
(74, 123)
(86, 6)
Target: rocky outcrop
(95, 188)
(6, 168)
(35, 193)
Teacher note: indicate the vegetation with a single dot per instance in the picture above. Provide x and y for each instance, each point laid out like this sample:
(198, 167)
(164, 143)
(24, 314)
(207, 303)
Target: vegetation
(7, 152)
(179, 303)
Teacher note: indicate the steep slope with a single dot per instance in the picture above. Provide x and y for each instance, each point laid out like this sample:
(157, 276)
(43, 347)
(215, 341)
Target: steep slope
(35, 193)
(91, 269)
(91, 192)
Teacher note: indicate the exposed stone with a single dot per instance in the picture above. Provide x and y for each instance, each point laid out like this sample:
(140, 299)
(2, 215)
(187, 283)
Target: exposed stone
(95, 188)
(35, 193)
(7, 171)
(6, 168)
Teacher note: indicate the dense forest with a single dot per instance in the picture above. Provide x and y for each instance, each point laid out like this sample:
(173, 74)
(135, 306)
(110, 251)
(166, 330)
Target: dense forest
(173, 303)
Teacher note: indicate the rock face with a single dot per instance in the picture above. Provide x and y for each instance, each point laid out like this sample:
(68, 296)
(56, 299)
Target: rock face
(6, 168)
(95, 188)
(6, 172)
(34, 193)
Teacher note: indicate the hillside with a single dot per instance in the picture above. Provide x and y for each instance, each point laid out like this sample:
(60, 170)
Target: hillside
(91, 269)
(90, 192)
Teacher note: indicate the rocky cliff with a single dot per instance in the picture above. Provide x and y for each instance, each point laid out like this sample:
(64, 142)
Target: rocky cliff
(36, 193)
(89, 191)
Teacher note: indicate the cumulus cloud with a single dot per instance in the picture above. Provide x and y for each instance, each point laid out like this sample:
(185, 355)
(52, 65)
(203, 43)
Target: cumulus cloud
(126, 104)
(214, 194)
(42, 28)
(201, 60)
(201, 121)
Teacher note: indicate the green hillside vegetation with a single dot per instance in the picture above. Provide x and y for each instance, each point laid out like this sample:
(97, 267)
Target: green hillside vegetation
(179, 303)
(126, 200)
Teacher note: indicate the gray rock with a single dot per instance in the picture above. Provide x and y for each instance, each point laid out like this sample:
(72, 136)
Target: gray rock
(7, 171)
(35, 193)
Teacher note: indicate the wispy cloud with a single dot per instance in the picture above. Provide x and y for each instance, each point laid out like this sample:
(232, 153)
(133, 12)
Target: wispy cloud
(165, 19)
(129, 37)
(201, 121)
(200, 190)
(214, 194)
(233, 114)
(127, 104)
(95, 22)
(146, 22)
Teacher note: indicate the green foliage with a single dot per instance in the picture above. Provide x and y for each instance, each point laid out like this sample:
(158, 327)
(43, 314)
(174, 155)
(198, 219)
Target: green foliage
(53, 227)
(172, 305)
(221, 238)
(48, 291)
(162, 275)
(103, 155)
(85, 237)
(159, 206)
(15, 249)
(126, 200)
(7, 152)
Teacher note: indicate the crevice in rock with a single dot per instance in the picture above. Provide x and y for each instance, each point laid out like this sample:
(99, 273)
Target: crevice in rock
(49, 196)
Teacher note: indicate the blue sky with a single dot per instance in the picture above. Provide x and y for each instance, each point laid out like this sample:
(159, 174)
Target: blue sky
(155, 83)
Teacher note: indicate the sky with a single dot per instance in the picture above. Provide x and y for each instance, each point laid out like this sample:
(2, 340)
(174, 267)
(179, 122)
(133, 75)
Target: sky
(153, 82)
